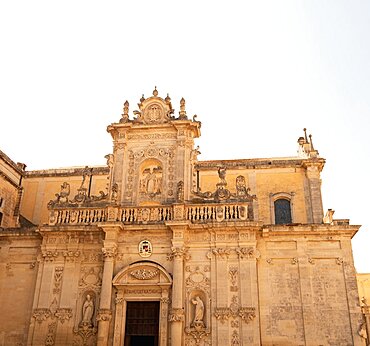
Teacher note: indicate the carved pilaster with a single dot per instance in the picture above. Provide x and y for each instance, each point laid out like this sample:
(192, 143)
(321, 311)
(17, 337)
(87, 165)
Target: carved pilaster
(176, 315)
(179, 252)
(104, 315)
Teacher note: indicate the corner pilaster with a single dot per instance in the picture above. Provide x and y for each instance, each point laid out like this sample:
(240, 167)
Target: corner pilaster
(109, 250)
(179, 254)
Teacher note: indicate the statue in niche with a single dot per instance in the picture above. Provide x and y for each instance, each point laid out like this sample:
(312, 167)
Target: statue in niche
(180, 191)
(151, 181)
(114, 192)
(199, 312)
(241, 188)
(87, 311)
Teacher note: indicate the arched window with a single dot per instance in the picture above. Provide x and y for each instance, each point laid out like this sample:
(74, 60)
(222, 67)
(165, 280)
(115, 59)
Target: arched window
(283, 214)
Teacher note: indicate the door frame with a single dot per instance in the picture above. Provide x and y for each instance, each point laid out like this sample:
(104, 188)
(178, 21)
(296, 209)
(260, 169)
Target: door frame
(142, 281)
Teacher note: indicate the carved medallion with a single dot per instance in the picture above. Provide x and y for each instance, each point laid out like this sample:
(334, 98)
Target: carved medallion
(145, 248)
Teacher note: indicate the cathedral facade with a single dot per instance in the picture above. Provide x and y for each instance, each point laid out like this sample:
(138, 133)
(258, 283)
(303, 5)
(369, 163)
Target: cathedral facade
(159, 248)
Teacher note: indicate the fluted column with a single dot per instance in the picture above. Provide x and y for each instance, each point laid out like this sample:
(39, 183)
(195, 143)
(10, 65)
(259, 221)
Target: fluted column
(104, 315)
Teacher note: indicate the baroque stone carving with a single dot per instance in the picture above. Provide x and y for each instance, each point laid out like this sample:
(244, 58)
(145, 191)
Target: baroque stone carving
(125, 118)
(85, 332)
(176, 315)
(222, 314)
(247, 314)
(144, 274)
(50, 336)
(71, 256)
(62, 197)
(151, 181)
(58, 275)
(198, 313)
(233, 274)
(222, 193)
(104, 315)
(235, 338)
(180, 191)
(244, 252)
(49, 255)
(91, 277)
(109, 252)
(63, 314)
(178, 252)
(41, 314)
(87, 311)
(197, 280)
(223, 253)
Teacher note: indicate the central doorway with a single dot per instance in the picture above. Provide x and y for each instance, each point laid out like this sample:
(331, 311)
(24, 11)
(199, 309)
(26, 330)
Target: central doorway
(142, 324)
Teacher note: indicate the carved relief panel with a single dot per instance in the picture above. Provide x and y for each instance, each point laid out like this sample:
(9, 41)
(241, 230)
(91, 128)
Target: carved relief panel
(150, 175)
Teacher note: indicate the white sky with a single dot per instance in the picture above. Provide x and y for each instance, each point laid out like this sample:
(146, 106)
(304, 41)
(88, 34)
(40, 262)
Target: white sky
(255, 73)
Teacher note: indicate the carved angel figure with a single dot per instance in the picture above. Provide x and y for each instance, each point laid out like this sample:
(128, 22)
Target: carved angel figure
(222, 174)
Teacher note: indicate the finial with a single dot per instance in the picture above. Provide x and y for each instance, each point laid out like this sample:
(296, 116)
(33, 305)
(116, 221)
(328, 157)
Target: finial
(182, 113)
(312, 148)
(142, 98)
(125, 108)
(305, 135)
(124, 118)
(155, 91)
(168, 98)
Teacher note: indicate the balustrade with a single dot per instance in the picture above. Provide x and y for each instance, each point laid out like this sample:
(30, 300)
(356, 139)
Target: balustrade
(199, 213)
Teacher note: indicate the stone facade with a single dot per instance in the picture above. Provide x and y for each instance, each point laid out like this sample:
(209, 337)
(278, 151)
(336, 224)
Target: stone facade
(234, 252)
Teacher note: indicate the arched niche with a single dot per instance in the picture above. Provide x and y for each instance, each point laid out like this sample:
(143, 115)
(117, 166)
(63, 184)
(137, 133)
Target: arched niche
(142, 281)
(150, 179)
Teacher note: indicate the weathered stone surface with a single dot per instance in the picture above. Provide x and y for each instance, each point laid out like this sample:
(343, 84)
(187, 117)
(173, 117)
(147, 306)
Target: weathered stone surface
(200, 238)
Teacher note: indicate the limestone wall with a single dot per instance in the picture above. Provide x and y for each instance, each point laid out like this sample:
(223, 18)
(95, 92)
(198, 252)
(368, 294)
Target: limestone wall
(18, 272)
(40, 187)
(10, 191)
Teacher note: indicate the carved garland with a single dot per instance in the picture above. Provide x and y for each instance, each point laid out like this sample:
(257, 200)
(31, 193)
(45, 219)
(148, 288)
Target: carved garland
(247, 314)
(144, 274)
(242, 252)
